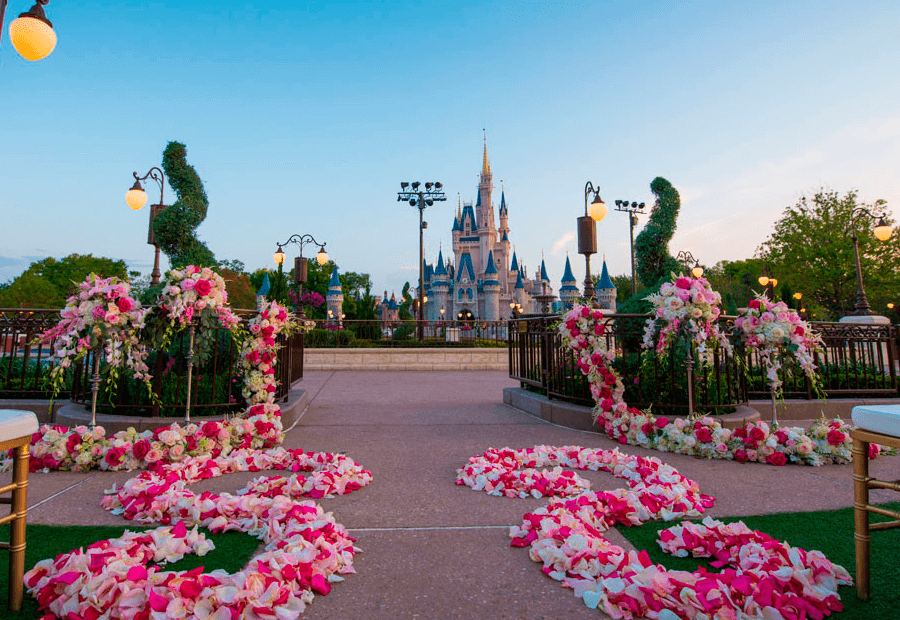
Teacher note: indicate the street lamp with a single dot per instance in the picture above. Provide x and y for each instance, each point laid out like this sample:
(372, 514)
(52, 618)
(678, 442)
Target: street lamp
(686, 258)
(300, 261)
(412, 192)
(587, 233)
(883, 232)
(768, 282)
(634, 207)
(31, 33)
(136, 198)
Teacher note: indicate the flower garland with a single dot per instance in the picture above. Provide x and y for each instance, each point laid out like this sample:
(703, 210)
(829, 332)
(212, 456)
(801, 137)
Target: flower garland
(102, 314)
(566, 536)
(825, 442)
(685, 309)
(190, 291)
(770, 329)
(306, 550)
(259, 351)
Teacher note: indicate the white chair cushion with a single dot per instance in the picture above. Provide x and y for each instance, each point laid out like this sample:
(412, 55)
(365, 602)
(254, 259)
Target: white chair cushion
(884, 419)
(15, 423)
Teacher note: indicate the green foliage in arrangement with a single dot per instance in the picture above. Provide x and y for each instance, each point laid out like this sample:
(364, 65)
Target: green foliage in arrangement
(176, 226)
(651, 247)
(48, 282)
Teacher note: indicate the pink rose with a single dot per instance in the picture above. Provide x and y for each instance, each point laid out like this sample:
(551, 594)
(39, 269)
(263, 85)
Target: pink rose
(776, 458)
(704, 434)
(203, 287)
(754, 304)
(836, 437)
(141, 448)
(740, 456)
(683, 283)
(124, 304)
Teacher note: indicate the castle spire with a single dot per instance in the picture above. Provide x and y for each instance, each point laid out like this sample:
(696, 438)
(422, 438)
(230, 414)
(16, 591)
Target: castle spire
(485, 166)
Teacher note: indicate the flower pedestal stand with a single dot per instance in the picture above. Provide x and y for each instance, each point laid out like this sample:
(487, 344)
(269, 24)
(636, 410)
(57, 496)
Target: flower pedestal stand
(689, 365)
(774, 412)
(190, 368)
(95, 383)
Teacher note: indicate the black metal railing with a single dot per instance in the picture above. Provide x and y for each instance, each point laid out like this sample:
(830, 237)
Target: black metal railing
(374, 333)
(216, 381)
(858, 361)
(538, 360)
(25, 369)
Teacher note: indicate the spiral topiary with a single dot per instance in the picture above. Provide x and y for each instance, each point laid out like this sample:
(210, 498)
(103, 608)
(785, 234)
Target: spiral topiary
(176, 225)
(651, 248)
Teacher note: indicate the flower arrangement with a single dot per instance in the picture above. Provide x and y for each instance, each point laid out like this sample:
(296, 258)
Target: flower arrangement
(102, 315)
(771, 329)
(306, 550)
(567, 537)
(190, 291)
(685, 308)
(259, 352)
(583, 333)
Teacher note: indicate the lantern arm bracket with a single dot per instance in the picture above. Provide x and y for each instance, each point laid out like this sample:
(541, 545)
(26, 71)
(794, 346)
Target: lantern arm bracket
(301, 240)
(157, 175)
(874, 214)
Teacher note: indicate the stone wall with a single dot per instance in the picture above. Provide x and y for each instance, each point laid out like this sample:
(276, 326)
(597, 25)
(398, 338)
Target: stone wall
(407, 359)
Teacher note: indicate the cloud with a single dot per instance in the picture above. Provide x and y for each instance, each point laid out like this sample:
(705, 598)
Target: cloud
(560, 244)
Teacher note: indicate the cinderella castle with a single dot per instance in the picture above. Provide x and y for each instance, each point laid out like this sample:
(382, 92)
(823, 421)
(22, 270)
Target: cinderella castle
(484, 279)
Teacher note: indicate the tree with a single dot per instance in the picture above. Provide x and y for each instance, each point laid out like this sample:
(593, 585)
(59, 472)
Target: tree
(623, 286)
(736, 280)
(48, 282)
(241, 292)
(811, 249)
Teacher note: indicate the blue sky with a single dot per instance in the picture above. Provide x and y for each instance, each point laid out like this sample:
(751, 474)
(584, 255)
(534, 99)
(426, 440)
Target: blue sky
(304, 118)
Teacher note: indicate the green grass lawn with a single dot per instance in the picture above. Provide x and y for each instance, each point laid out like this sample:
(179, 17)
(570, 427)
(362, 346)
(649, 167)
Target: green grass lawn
(829, 531)
(233, 551)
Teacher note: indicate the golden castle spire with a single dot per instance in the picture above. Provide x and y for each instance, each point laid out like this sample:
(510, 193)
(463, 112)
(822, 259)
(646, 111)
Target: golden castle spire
(485, 166)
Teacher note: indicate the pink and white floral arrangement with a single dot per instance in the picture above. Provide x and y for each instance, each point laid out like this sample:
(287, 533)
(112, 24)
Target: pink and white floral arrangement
(259, 351)
(583, 332)
(773, 329)
(764, 578)
(101, 315)
(190, 291)
(685, 309)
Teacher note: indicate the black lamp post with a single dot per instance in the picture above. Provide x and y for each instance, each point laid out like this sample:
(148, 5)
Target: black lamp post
(32, 33)
(634, 207)
(686, 258)
(412, 192)
(300, 261)
(882, 233)
(587, 234)
(136, 198)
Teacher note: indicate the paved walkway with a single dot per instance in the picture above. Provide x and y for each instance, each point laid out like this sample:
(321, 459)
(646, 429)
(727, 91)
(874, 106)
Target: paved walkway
(433, 550)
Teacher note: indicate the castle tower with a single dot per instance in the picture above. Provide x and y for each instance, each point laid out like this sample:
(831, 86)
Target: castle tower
(605, 292)
(568, 292)
(335, 299)
(440, 287)
(491, 286)
(519, 292)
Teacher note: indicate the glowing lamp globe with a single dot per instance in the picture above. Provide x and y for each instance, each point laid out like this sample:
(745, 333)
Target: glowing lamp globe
(773, 282)
(597, 210)
(136, 197)
(32, 35)
(798, 296)
(697, 271)
(763, 280)
(890, 305)
(279, 256)
(883, 232)
(322, 256)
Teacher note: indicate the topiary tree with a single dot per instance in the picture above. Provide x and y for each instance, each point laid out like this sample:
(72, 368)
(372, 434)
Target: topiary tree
(176, 225)
(651, 248)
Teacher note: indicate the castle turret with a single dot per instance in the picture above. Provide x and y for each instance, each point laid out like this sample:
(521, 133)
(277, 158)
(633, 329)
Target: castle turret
(605, 291)
(335, 299)
(440, 286)
(491, 288)
(568, 292)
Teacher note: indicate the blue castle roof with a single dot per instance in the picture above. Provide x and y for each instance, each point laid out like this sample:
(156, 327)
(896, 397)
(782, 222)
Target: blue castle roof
(456, 224)
(440, 270)
(544, 272)
(502, 202)
(519, 282)
(265, 287)
(470, 213)
(505, 237)
(567, 274)
(465, 267)
(605, 281)
(335, 281)
(514, 265)
(490, 273)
